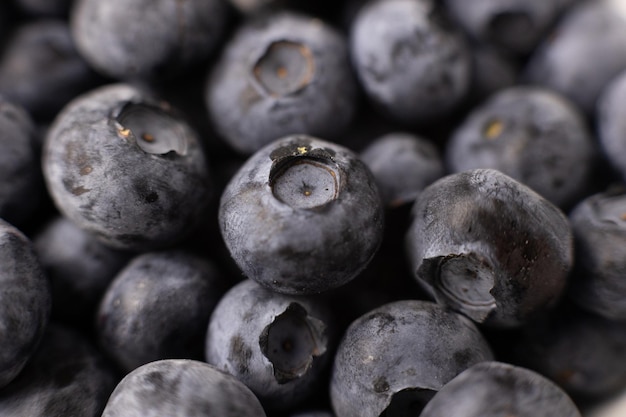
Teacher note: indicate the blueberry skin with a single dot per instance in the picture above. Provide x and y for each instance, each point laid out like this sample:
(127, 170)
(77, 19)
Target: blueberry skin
(276, 344)
(135, 39)
(45, 8)
(126, 168)
(282, 73)
(570, 62)
(158, 307)
(79, 267)
(515, 26)
(66, 376)
(532, 134)
(492, 71)
(493, 389)
(410, 64)
(183, 388)
(489, 247)
(302, 216)
(41, 70)
(403, 165)
(21, 184)
(611, 125)
(393, 359)
(24, 301)
(599, 226)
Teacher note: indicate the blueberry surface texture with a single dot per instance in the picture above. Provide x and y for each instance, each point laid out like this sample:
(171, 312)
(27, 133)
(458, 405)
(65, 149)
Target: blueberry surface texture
(494, 389)
(182, 388)
(67, 376)
(127, 168)
(410, 64)
(278, 345)
(302, 216)
(611, 124)
(158, 307)
(599, 226)
(393, 359)
(25, 301)
(281, 73)
(150, 39)
(489, 247)
(532, 134)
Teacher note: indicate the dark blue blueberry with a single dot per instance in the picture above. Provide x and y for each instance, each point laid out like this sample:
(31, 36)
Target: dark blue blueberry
(281, 74)
(515, 26)
(599, 225)
(66, 377)
(127, 168)
(158, 307)
(611, 123)
(495, 389)
(21, 184)
(582, 54)
(409, 63)
(489, 247)
(24, 301)
(403, 165)
(302, 216)
(393, 359)
(533, 135)
(278, 345)
(41, 70)
(181, 388)
(79, 267)
(155, 39)
(491, 71)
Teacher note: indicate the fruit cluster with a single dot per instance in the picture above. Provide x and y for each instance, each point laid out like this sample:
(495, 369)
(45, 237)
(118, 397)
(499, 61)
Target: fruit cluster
(301, 208)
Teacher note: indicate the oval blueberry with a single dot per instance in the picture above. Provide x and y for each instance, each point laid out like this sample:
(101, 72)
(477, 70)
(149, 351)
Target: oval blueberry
(302, 216)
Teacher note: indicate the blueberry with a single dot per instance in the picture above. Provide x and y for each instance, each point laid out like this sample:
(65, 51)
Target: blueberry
(403, 165)
(132, 39)
(491, 389)
(302, 216)
(611, 124)
(492, 71)
(21, 184)
(532, 134)
(599, 226)
(24, 301)
(127, 168)
(182, 388)
(66, 376)
(569, 60)
(278, 345)
(158, 307)
(41, 70)
(485, 245)
(410, 64)
(79, 267)
(515, 26)
(393, 359)
(46, 8)
(281, 74)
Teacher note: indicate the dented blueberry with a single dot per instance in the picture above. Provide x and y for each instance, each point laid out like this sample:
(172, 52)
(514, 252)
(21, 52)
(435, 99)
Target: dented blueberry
(126, 168)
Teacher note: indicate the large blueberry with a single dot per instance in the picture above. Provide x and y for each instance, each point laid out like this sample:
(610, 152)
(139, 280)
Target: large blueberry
(66, 376)
(393, 359)
(24, 301)
(410, 64)
(127, 168)
(158, 307)
(302, 215)
(276, 344)
(281, 74)
(531, 134)
(21, 185)
(132, 39)
(494, 389)
(181, 388)
(488, 246)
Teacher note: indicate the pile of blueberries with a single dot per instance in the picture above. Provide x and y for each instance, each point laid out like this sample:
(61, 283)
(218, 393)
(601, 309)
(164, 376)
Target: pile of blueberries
(312, 208)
